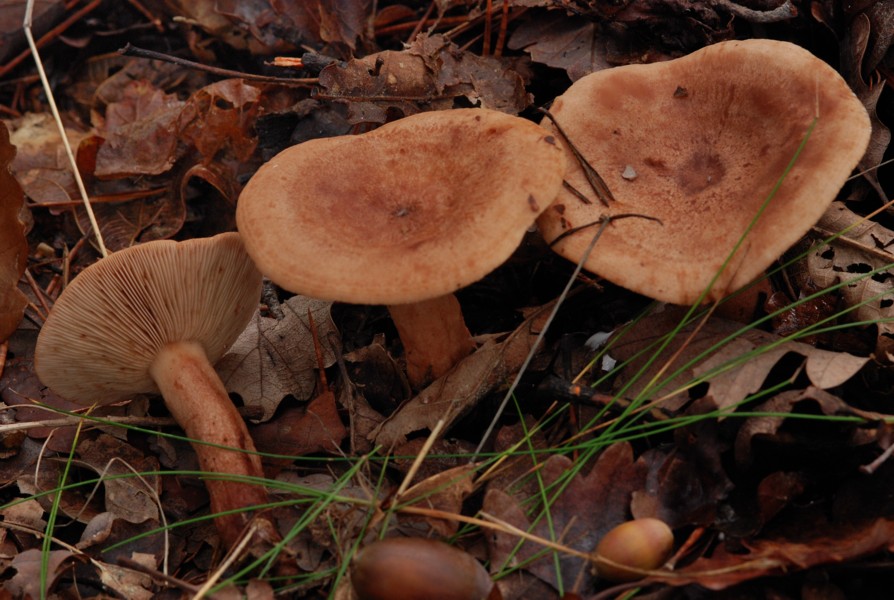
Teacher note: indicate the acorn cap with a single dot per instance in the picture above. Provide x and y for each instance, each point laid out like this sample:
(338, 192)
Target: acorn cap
(415, 209)
(699, 143)
(106, 329)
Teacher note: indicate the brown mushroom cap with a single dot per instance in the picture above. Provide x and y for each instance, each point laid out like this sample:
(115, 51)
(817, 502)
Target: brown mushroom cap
(105, 331)
(699, 143)
(413, 210)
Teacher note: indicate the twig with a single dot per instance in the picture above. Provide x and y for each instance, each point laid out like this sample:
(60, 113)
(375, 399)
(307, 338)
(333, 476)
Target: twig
(593, 177)
(131, 50)
(26, 25)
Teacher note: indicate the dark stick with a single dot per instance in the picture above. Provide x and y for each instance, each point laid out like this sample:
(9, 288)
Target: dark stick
(131, 50)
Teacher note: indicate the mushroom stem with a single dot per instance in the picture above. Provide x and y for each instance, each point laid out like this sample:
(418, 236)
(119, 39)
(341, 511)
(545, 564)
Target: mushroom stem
(198, 401)
(434, 336)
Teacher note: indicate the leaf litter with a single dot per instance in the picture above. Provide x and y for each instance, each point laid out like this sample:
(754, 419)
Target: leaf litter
(764, 447)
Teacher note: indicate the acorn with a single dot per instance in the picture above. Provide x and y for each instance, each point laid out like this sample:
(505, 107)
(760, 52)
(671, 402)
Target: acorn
(641, 544)
(417, 569)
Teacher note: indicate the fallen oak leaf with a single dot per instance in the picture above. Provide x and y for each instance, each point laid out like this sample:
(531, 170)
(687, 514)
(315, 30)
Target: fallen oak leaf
(785, 403)
(609, 486)
(824, 544)
(734, 371)
(297, 431)
(865, 246)
(273, 358)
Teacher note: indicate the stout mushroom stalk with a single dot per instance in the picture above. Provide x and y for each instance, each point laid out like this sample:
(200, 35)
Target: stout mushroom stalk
(198, 401)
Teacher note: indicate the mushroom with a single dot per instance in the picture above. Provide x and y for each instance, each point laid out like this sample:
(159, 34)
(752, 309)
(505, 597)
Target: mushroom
(152, 318)
(403, 215)
(709, 136)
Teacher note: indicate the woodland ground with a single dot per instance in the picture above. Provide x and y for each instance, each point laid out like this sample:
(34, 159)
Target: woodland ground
(772, 471)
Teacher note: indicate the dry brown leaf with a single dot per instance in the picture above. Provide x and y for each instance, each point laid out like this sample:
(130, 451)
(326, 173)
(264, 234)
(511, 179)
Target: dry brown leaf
(563, 42)
(221, 117)
(861, 32)
(13, 245)
(274, 358)
(40, 164)
(12, 36)
(825, 368)
(130, 498)
(847, 437)
(821, 544)
(684, 483)
(26, 583)
(126, 224)
(128, 583)
(296, 432)
(141, 133)
(445, 491)
(865, 247)
(429, 74)
(588, 506)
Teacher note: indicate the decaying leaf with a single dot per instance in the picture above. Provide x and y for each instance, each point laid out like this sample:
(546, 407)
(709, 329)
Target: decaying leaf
(26, 582)
(296, 432)
(429, 74)
(13, 245)
(563, 42)
(274, 358)
(734, 371)
(220, 117)
(140, 132)
(608, 486)
(445, 491)
(834, 441)
(865, 246)
(133, 499)
(40, 163)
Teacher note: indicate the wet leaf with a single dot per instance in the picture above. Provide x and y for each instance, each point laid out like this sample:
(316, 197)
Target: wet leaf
(13, 245)
(274, 358)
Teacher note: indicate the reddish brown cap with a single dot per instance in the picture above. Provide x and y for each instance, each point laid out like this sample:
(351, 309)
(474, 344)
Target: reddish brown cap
(699, 143)
(106, 328)
(413, 210)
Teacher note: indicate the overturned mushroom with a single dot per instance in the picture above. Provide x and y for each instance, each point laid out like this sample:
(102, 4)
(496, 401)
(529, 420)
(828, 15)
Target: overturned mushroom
(708, 137)
(153, 318)
(403, 216)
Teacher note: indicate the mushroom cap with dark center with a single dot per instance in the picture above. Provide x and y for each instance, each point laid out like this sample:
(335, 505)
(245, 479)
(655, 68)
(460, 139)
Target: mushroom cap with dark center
(700, 142)
(106, 329)
(413, 210)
